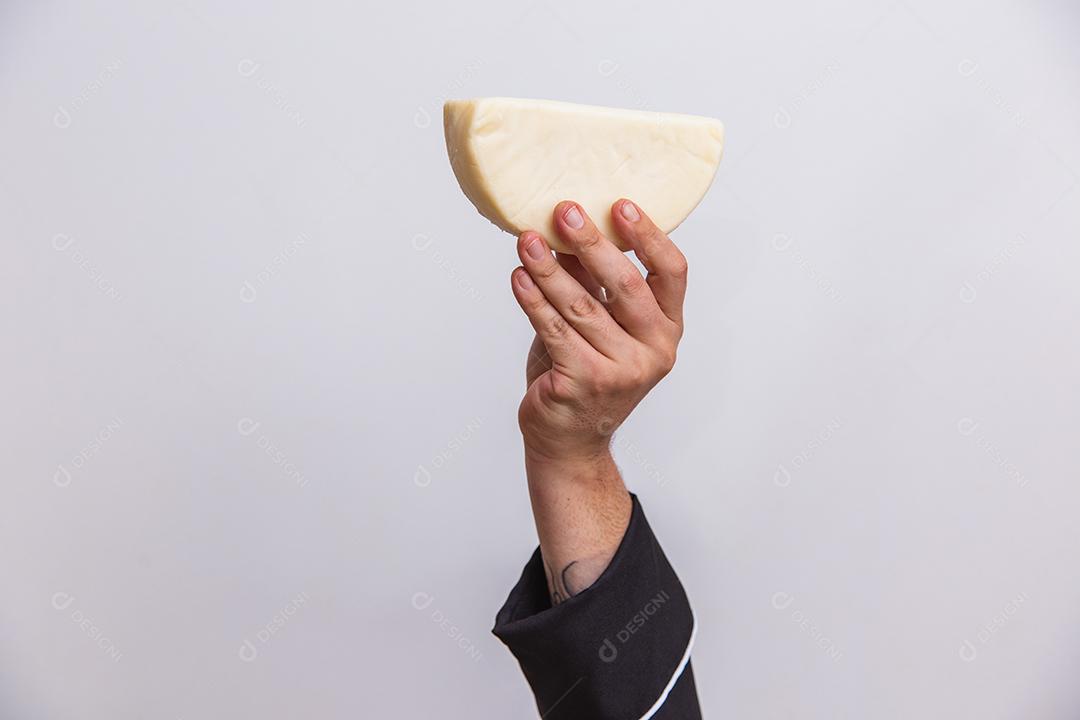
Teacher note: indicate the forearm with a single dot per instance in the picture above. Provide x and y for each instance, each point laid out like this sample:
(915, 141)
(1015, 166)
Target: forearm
(619, 649)
(599, 620)
(581, 509)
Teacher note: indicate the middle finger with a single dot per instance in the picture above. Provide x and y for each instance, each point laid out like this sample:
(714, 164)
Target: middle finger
(628, 296)
(574, 302)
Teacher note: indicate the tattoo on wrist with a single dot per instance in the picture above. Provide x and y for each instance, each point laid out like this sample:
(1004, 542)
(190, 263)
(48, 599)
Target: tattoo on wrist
(564, 584)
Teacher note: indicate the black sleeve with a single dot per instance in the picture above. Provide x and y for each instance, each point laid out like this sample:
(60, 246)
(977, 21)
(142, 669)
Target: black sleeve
(619, 649)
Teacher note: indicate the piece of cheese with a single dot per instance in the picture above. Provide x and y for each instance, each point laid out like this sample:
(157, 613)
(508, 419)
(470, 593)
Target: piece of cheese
(516, 159)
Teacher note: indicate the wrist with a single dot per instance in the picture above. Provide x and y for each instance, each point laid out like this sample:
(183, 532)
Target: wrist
(541, 452)
(564, 469)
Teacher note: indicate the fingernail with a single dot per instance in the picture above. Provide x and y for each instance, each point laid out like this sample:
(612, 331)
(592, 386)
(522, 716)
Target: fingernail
(534, 248)
(629, 211)
(525, 280)
(573, 218)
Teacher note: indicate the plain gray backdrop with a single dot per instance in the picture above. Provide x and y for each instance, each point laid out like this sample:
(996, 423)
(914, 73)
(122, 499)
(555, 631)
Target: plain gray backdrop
(261, 362)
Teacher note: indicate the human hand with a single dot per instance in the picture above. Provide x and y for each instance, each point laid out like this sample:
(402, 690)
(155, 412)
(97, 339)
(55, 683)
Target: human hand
(597, 353)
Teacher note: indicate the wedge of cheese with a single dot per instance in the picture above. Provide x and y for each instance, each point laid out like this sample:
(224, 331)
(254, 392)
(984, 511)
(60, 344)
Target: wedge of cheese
(516, 159)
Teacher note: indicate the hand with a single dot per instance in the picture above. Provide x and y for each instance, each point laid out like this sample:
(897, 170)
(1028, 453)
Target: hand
(597, 353)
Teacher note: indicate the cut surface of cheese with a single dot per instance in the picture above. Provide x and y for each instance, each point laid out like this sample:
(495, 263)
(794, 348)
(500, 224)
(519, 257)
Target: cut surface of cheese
(516, 159)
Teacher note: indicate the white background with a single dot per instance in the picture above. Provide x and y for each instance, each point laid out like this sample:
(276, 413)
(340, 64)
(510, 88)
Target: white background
(223, 219)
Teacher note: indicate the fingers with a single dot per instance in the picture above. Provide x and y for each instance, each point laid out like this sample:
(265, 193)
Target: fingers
(579, 273)
(665, 263)
(562, 341)
(628, 295)
(569, 298)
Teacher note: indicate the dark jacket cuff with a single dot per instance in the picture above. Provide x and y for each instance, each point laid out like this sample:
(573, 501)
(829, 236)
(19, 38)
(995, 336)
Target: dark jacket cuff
(619, 649)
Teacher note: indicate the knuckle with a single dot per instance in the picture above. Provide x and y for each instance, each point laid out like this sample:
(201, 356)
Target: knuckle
(679, 267)
(588, 239)
(638, 375)
(630, 282)
(653, 241)
(546, 268)
(651, 367)
(536, 306)
(601, 381)
(556, 326)
(594, 385)
(667, 360)
(633, 374)
(562, 389)
(585, 307)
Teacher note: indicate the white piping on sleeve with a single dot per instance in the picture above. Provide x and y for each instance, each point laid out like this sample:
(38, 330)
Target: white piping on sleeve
(675, 677)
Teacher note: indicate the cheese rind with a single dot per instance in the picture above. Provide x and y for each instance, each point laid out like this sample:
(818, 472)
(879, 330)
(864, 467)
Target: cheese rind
(516, 159)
